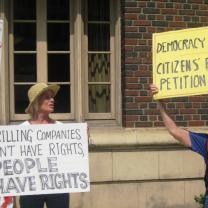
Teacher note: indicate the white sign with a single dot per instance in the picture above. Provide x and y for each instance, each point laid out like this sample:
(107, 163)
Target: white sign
(43, 159)
(1, 35)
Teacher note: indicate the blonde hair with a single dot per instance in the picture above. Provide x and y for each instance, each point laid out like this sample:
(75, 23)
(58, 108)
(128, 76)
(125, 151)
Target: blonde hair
(34, 108)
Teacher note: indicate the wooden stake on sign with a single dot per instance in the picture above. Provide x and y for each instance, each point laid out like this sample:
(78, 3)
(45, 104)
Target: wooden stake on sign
(1, 34)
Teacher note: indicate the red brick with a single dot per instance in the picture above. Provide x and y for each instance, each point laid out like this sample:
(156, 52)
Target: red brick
(178, 18)
(178, 6)
(133, 10)
(147, 36)
(188, 117)
(196, 123)
(143, 67)
(132, 105)
(132, 86)
(158, 124)
(172, 111)
(130, 16)
(143, 99)
(196, 99)
(202, 13)
(196, 117)
(160, 17)
(160, 5)
(132, 80)
(131, 118)
(130, 42)
(195, 1)
(142, 4)
(177, 24)
(142, 23)
(143, 124)
(132, 60)
(151, 111)
(153, 118)
(130, 29)
(142, 105)
(147, 60)
(196, 105)
(187, 12)
(129, 48)
(203, 7)
(204, 19)
(131, 92)
(151, 29)
(169, 11)
(143, 73)
(179, 105)
(142, 42)
(187, 111)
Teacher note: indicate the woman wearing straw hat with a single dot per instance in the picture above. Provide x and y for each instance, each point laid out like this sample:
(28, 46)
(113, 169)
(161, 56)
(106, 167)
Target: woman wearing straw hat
(41, 104)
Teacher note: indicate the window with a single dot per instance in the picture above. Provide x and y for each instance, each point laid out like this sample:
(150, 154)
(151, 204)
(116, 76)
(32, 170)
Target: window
(73, 43)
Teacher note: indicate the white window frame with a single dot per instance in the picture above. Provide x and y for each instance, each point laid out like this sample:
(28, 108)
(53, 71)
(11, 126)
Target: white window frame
(78, 61)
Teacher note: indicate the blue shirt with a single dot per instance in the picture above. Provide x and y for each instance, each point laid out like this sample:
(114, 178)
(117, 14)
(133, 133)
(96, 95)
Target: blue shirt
(198, 143)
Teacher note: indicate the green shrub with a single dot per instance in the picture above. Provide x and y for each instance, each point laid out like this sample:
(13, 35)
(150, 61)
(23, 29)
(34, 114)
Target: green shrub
(200, 200)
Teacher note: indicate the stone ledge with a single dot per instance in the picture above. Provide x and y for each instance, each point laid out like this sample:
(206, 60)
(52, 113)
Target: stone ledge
(107, 136)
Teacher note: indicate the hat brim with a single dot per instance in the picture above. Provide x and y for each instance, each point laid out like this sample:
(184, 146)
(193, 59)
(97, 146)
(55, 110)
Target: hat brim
(54, 88)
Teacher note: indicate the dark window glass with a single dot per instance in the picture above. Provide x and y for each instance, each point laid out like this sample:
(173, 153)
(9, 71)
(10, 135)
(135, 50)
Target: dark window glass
(99, 98)
(62, 100)
(58, 9)
(58, 67)
(98, 37)
(99, 67)
(58, 36)
(24, 36)
(25, 68)
(21, 99)
(24, 9)
(98, 10)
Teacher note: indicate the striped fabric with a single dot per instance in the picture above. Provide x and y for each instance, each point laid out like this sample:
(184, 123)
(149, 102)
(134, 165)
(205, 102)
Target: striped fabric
(6, 202)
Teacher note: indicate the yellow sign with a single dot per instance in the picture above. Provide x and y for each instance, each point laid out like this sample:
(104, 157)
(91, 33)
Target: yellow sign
(180, 62)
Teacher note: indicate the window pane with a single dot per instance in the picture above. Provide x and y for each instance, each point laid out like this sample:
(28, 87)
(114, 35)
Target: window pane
(58, 36)
(99, 98)
(24, 36)
(25, 68)
(24, 9)
(58, 67)
(58, 9)
(62, 100)
(21, 99)
(98, 10)
(98, 37)
(99, 67)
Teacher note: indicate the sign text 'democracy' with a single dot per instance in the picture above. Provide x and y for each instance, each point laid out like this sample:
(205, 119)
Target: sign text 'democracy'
(180, 62)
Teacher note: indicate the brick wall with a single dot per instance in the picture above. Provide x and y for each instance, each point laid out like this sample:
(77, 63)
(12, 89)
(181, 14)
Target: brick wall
(141, 18)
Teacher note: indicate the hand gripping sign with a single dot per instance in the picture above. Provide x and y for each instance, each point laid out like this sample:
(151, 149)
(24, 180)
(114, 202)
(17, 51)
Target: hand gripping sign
(43, 159)
(180, 62)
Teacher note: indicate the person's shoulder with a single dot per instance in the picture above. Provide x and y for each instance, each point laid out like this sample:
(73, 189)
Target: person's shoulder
(198, 135)
(25, 123)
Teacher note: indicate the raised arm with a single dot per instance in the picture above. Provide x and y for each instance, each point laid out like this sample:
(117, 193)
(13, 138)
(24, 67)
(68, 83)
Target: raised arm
(178, 133)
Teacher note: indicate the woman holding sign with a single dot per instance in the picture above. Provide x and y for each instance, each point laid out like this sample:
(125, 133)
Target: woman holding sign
(197, 142)
(41, 104)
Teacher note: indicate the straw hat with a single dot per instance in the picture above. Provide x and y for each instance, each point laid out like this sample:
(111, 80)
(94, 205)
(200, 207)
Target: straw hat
(36, 90)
